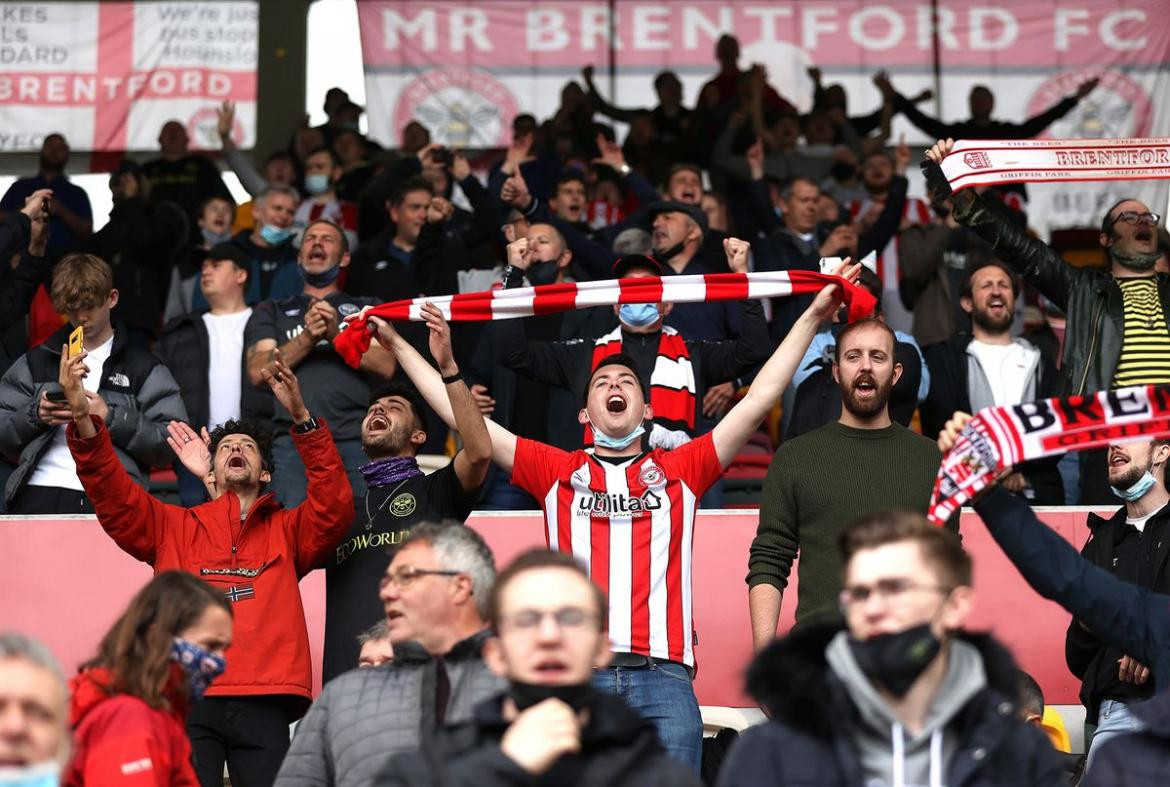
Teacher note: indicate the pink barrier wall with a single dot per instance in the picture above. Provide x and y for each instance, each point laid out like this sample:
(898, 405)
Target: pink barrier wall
(63, 581)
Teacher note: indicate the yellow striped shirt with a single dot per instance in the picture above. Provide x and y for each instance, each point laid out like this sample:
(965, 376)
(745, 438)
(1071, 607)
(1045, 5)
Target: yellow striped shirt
(1145, 351)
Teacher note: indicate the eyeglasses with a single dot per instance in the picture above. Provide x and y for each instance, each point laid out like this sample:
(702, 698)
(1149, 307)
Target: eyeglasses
(403, 578)
(567, 618)
(885, 589)
(1133, 217)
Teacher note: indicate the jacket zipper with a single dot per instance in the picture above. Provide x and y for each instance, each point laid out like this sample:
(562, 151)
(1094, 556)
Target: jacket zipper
(1093, 346)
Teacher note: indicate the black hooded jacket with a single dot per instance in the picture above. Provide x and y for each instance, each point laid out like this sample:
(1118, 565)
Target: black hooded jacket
(618, 747)
(809, 743)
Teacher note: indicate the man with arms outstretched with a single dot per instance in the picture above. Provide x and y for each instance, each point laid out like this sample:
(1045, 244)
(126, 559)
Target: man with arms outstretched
(628, 513)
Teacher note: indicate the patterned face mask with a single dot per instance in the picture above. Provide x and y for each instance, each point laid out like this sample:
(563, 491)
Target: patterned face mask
(200, 666)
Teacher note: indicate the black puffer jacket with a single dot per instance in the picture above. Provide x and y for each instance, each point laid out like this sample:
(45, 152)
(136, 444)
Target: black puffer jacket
(1089, 297)
(618, 747)
(808, 742)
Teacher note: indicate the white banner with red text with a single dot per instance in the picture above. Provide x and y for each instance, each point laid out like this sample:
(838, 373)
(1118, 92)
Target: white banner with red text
(108, 75)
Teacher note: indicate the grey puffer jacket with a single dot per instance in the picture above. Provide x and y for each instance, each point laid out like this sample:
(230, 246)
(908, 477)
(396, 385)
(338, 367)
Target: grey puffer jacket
(367, 716)
(138, 389)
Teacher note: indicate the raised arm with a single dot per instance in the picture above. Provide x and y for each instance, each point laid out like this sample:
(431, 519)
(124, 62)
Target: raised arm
(733, 431)
(471, 463)
(429, 383)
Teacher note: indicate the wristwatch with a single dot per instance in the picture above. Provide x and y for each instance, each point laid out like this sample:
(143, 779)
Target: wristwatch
(307, 426)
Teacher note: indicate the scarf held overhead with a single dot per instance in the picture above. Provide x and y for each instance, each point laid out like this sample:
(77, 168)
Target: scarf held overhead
(550, 298)
(998, 438)
(991, 161)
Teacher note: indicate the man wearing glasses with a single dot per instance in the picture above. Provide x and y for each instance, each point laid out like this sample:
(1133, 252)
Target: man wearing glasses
(1116, 334)
(435, 595)
(901, 695)
(550, 726)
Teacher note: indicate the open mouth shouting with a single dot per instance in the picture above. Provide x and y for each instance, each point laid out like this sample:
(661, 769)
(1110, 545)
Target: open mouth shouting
(1117, 459)
(616, 403)
(1144, 234)
(377, 423)
(317, 253)
(865, 385)
(237, 462)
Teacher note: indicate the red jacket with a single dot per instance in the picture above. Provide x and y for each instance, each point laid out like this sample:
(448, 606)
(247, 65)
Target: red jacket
(257, 564)
(121, 741)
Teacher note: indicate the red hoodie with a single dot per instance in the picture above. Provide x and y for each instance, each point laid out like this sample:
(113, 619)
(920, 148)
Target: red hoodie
(256, 563)
(121, 741)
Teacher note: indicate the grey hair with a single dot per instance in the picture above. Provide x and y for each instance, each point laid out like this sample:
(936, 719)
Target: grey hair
(380, 630)
(459, 548)
(262, 198)
(634, 240)
(25, 648)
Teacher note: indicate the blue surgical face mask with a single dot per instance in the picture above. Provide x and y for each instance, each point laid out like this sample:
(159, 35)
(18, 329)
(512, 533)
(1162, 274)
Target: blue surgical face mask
(1138, 490)
(44, 774)
(639, 315)
(322, 279)
(199, 665)
(274, 235)
(600, 438)
(316, 184)
(211, 237)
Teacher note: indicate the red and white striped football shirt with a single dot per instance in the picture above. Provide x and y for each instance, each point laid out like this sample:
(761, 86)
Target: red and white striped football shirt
(632, 524)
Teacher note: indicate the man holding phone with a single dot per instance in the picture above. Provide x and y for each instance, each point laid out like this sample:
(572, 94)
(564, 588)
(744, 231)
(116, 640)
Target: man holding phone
(128, 388)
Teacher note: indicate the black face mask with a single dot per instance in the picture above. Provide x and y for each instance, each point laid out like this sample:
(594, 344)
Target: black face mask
(896, 660)
(542, 273)
(668, 254)
(577, 696)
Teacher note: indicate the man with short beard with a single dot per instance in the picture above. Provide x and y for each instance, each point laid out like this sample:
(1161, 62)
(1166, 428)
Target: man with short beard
(399, 496)
(1116, 333)
(302, 328)
(804, 506)
(989, 368)
(1131, 545)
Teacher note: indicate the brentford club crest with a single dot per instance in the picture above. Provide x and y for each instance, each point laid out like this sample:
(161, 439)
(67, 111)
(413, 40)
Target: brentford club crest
(977, 160)
(1117, 108)
(652, 476)
(461, 108)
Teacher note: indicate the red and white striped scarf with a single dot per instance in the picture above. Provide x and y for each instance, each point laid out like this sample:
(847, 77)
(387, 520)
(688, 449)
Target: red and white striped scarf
(990, 161)
(672, 381)
(1000, 437)
(352, 342)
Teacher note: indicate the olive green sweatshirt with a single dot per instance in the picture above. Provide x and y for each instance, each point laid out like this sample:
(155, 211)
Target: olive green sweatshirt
(820, 482)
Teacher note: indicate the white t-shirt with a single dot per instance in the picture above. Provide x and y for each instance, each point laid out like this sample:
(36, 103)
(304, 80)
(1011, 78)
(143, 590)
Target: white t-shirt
(1139, 523)
(56, 467)
(1006, 367)
(225, 346)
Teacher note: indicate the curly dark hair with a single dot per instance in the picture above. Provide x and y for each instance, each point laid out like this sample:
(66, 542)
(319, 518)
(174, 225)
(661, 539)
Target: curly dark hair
(260, 434)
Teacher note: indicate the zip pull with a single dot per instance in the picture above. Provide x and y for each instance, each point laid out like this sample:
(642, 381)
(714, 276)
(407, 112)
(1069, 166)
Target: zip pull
(233, 549)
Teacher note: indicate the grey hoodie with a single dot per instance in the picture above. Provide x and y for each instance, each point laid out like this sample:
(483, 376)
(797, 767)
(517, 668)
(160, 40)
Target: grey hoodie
(890, 756)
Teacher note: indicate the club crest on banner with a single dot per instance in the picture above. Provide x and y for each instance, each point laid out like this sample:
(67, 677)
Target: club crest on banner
(460, 108)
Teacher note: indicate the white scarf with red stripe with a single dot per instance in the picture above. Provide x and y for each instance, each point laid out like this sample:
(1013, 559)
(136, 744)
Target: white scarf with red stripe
(998, 438)
(548, 298)
(672, 380)
(990, 161)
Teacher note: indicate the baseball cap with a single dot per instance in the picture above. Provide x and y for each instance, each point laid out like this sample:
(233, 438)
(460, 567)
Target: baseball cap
(623, 264)
(670, 206)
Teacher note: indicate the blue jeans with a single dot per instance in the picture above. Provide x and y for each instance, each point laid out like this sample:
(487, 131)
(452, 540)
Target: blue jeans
(501, 495)
(288, 473)
(1114, 718)
(662, 694)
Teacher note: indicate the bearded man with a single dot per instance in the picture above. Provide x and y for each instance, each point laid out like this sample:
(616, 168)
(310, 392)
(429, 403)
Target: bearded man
(806, 506)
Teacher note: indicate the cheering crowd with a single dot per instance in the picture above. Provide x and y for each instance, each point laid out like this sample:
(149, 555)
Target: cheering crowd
(209, 343)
